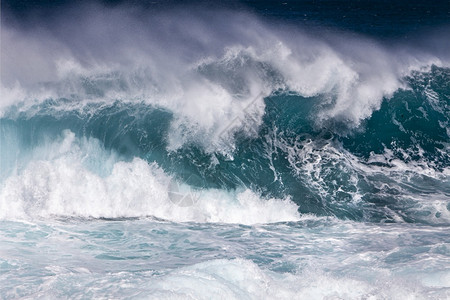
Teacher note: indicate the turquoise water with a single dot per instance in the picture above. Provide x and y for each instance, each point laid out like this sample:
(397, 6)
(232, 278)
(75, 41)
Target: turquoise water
(248, 151)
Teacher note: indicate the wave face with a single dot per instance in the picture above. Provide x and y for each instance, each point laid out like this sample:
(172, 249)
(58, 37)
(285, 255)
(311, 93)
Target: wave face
(199, 135)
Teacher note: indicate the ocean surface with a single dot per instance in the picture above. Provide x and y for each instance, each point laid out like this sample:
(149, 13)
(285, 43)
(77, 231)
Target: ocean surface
(246, 150)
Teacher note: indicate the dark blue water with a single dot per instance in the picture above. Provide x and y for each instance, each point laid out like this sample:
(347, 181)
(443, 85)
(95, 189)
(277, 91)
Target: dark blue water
(151, 147)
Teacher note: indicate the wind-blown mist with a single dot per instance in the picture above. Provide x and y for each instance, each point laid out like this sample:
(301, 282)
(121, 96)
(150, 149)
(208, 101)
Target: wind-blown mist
(157, 152)
(211, 63)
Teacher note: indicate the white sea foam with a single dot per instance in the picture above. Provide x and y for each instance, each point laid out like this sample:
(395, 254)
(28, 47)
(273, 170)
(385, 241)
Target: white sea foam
(340, 178)
(78, 178)
(321, 258)
(243, 279)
